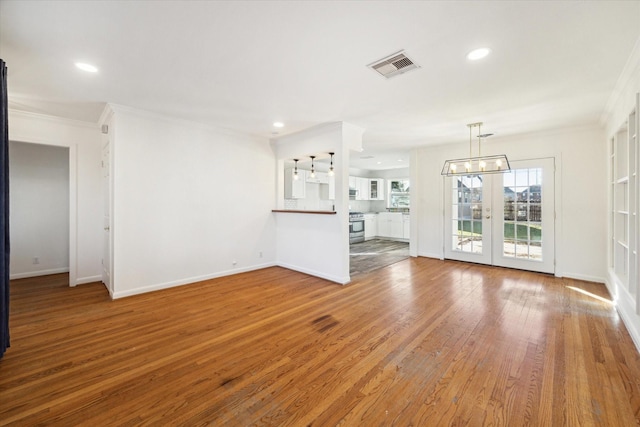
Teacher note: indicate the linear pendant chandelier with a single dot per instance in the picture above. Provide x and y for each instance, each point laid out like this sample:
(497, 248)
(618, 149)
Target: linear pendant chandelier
(476, 165)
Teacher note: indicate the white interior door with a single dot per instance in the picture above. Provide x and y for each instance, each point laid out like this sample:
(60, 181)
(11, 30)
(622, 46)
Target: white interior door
(504, 219)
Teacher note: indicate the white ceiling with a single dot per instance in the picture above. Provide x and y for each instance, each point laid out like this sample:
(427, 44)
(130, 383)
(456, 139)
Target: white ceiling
(243, 65)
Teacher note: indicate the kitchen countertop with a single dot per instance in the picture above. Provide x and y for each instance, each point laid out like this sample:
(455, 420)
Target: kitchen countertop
(304, 212)
(384, 212)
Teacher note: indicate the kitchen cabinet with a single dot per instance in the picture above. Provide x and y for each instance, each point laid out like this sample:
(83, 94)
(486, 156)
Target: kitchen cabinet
(370, 226)
(362, 185)
(359, 186)
(332, 187)
(295, 188)
(376, 189)
(390, 224)
(406, 226)
(320, 178)
(328, 189)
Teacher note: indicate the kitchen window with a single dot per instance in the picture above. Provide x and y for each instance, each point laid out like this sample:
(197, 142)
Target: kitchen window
(398, 194)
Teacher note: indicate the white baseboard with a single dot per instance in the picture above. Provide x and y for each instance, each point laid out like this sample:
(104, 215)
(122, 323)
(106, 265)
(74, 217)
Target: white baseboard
(431, 255)
(625, 308)
(186, 281)
(88, 279)
(585, 277)
(339, 280)
(632, 328)
(38, 273)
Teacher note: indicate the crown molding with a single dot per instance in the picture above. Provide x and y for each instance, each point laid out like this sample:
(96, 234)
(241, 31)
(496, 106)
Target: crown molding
(626, 76)
(52, 119)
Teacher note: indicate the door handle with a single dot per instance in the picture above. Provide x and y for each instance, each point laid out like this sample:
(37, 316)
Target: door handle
(106, 229)
(488, 216)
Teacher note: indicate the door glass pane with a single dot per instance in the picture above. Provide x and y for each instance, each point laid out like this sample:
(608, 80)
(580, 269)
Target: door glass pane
(522, 191)
(467, 210)
(535, 212)
(535, 230)
(522, 232)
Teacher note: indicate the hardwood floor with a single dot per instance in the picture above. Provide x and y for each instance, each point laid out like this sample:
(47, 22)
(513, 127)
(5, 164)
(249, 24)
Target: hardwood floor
(421, 342)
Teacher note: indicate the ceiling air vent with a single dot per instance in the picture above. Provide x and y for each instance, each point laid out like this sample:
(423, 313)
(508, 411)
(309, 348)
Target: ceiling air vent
(393, 65)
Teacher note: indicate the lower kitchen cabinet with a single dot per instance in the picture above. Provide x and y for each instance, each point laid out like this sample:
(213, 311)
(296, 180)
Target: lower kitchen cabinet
(390, 224)
(406, 226)
(370, 226)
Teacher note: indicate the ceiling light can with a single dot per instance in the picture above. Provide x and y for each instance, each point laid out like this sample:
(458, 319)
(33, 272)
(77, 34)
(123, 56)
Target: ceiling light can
(480, 53)
(86, 67)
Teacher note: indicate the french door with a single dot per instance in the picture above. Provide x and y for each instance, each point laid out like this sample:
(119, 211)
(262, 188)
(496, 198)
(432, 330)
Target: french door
(504, 219)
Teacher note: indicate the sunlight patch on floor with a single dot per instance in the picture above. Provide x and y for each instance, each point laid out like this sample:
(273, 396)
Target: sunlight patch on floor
(587, 293)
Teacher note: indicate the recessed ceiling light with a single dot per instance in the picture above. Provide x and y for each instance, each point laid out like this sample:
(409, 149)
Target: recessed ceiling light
(378, 163)
(400, 160)
(278, 124)
(474, 55)
(87, 67)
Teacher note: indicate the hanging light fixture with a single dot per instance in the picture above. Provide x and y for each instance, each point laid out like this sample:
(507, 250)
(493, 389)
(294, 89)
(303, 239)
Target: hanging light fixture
(476, 165)
(331, 167)
(313, 170)
(295, 170)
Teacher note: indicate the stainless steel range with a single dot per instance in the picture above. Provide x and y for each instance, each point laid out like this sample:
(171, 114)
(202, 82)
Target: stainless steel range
(356, 227)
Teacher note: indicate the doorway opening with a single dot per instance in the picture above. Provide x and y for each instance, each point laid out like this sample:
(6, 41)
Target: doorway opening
(384, 220)
(39, 209)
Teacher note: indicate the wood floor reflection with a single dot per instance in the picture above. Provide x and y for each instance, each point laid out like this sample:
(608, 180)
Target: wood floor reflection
(420, 342)
(373, 254)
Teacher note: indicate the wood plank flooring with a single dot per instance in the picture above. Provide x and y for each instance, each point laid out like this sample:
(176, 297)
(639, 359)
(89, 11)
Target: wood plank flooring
(421, 342)
(365, 257)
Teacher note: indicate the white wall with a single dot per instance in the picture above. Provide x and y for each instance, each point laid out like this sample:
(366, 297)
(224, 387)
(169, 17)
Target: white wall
(311, 243)
(580, 194)
(39, 209)
(85, 203)
(189, 201)
(388, 174)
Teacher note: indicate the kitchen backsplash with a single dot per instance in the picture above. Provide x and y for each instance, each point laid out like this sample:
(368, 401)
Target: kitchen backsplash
(291, 204)
(367, 206)
(308, 204)
(314, 202)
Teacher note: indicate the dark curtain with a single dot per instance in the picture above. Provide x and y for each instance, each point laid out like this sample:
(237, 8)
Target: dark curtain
(4, 212)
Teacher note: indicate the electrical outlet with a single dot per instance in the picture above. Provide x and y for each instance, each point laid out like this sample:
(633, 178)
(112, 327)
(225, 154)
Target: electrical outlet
(36, 260)
(260, 254)
(234, 262)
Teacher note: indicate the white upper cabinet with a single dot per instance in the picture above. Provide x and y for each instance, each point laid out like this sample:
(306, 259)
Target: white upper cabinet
(328, 192)
(332, 187)
(294, 188)
(362, 186)
(320, 178)
(359, 186)
(376, 189)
